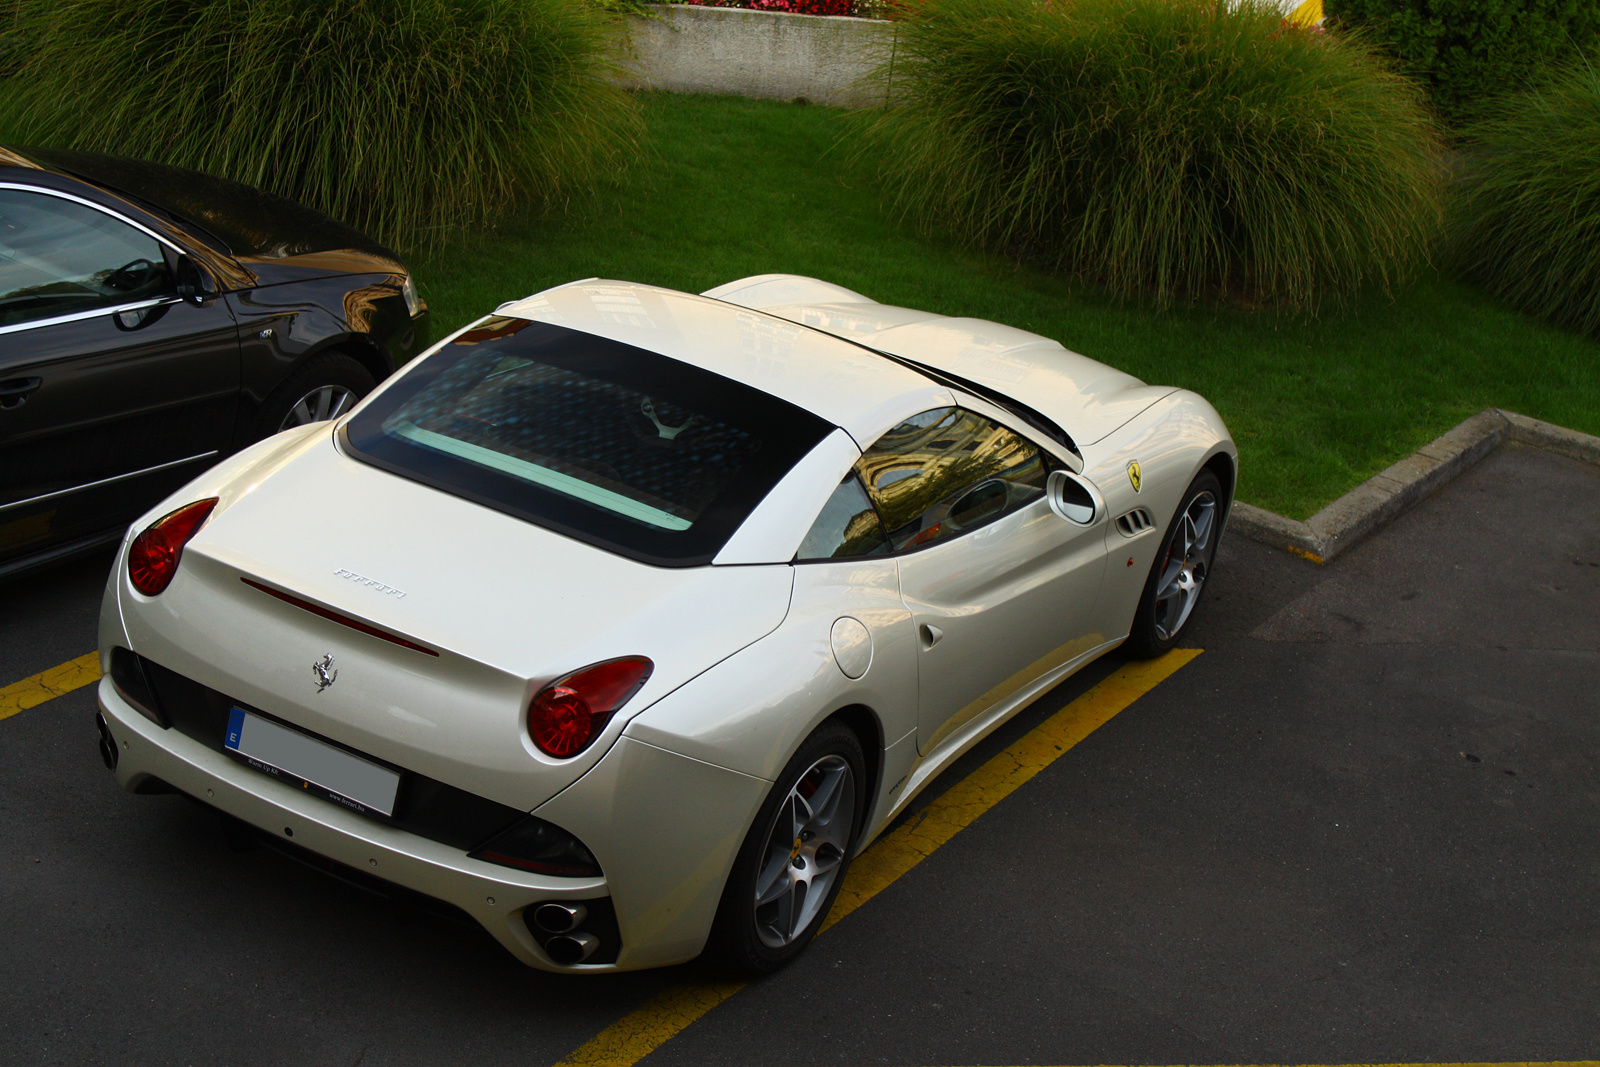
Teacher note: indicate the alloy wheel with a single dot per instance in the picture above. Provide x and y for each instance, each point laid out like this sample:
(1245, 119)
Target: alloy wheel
(1184, 570)
(320, 404)
(805, 851)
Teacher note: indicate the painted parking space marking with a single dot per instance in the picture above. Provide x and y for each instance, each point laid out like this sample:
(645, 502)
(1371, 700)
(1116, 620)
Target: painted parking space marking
(640, 1032)
(47, 685)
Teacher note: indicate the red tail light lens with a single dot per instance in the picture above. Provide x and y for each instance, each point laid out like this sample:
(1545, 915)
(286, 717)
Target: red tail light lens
(567, 714)
(153, 559)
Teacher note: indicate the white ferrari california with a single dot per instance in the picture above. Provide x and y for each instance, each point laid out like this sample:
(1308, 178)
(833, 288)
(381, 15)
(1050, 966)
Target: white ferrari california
(623, 618)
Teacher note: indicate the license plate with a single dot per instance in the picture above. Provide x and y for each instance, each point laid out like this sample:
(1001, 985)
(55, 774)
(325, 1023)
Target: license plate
(314, 765)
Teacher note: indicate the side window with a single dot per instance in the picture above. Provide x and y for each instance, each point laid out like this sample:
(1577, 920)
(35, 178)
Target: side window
(58, 257)
(847, 526)
(947, 471)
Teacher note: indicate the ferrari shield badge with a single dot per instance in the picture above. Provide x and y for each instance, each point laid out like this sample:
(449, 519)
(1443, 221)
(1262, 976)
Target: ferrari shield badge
(1135, 478)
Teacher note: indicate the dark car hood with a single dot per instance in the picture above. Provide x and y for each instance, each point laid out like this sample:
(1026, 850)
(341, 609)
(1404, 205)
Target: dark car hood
(257, 228)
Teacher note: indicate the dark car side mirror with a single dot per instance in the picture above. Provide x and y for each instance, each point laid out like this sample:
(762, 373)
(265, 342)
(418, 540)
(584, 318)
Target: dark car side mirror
(195, 286)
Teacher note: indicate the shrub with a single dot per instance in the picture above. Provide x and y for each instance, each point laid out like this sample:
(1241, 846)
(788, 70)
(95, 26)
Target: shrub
(407, 118)
(1469, 51)
(1163, 147)
(1527, 221)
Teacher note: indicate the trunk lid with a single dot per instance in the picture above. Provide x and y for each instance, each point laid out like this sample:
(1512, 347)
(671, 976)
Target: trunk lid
(507, 606)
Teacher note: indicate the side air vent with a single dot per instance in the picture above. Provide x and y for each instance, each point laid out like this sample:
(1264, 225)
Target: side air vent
(1134, 523)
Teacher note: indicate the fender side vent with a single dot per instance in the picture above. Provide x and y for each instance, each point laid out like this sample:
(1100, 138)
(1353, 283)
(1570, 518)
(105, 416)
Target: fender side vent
(1134, 523)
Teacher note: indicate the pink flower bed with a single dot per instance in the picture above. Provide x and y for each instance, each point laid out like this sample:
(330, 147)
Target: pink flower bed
(792, 7)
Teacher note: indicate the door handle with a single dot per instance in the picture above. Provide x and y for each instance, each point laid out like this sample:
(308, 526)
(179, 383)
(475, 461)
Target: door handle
(14, 391)
(930, 635)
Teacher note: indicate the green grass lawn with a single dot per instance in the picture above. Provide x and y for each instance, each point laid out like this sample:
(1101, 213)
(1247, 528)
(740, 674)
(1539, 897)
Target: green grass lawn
(729, 187)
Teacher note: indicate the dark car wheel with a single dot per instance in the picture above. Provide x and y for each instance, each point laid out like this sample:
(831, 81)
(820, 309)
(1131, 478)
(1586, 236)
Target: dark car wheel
(325, 388)
(1182, 566)
(795, 856)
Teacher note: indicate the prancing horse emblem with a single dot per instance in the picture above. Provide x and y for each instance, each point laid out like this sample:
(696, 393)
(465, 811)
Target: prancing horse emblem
(1135, 476)
(324, 672)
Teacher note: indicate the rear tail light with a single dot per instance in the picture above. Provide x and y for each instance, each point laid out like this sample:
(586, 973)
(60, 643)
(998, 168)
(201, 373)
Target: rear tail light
(153, 559)
(569, 713)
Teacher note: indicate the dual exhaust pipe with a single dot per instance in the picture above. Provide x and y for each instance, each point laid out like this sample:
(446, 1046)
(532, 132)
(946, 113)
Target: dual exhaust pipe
(569, 945)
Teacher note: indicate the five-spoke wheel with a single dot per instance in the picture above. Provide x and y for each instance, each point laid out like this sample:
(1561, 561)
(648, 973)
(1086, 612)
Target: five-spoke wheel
(1182, 564)
(1183, 567)
(795, 855)
(805, 851)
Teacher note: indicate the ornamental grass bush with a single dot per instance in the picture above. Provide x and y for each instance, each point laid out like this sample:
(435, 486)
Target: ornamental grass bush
(1526, 224)
(410, 119)
(1161, 148)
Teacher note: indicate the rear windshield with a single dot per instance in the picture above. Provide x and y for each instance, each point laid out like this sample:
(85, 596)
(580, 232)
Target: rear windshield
(626, 449)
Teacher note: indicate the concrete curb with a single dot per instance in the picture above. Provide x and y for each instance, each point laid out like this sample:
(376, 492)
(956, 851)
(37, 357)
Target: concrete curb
(1391, 492)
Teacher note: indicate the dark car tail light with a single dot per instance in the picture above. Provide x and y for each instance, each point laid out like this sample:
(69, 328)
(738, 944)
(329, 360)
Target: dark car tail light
(567, 714)
(153, 559)
(532, 844)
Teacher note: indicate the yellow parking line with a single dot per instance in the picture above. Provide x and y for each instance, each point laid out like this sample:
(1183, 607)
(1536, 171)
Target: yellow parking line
(47, 685)
(953, 810)
(640, 1032)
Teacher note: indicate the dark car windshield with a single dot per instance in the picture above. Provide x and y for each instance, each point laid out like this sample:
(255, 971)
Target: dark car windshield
(626, 449)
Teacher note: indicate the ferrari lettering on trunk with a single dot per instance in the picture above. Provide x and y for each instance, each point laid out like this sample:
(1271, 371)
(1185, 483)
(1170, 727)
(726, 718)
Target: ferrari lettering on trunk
(370, 583)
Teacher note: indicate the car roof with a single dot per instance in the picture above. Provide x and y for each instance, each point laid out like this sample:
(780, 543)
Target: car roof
(851, 387)
(1085, 397)
(241, 219)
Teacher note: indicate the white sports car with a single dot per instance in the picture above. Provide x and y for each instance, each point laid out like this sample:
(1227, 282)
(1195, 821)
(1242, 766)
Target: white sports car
(623, 618)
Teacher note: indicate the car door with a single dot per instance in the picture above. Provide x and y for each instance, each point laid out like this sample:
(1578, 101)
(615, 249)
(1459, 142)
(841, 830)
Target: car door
(1001, 551)
(113, 391)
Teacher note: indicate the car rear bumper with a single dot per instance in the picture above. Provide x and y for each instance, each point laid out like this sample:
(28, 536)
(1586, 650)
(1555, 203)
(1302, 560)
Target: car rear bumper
(495, 896)
(664, 828)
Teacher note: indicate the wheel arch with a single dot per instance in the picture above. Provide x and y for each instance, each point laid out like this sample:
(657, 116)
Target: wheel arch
(1224, 466)
(863, 722)
(359, 347)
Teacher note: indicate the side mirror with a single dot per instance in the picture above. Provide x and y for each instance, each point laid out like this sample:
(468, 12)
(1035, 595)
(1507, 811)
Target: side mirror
(1074, 498)
(195, 286)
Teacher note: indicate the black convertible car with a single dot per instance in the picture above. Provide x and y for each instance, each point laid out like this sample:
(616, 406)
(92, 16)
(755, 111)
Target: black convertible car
(154, 320)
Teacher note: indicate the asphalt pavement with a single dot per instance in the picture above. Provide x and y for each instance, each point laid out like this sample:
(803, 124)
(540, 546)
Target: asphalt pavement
(1362, 827)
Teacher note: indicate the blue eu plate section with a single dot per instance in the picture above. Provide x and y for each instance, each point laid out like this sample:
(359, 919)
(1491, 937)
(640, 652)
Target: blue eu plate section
(314, 765)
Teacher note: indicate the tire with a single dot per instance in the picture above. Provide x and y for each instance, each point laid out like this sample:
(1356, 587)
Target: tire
(751, 937)
(326, 387)
(1181, 569)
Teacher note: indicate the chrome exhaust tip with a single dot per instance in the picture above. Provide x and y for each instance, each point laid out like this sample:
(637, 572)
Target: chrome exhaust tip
(571, 949)
(559, 918)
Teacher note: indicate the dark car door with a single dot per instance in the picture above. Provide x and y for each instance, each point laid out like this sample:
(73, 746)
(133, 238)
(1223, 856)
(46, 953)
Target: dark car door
(113, 391)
